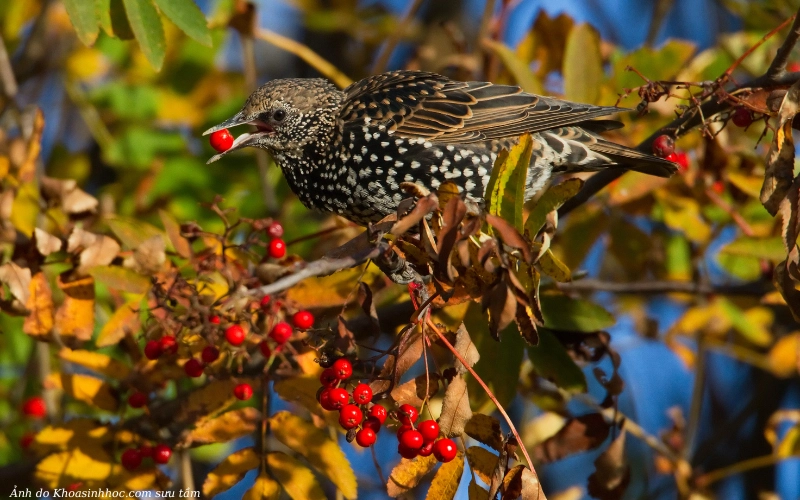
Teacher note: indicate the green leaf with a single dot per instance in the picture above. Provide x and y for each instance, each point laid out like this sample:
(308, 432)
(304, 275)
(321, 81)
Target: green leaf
(500, 362)
(506, 191)
(552, 361)
(761, 248)
(113, 20)
(551, 200)
(517, 67)
(132, 232)
(583, 65)
(576, 315)
(553, 267)
(188, 17)
(146, 26)
(84, 19)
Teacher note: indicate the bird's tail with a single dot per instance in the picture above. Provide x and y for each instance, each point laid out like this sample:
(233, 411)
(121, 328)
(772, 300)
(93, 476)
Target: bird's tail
(633, 159)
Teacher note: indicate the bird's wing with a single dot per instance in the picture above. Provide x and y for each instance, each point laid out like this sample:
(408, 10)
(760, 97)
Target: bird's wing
(420, 104)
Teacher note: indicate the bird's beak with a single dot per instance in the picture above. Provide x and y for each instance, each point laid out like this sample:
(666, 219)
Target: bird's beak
(245, 139)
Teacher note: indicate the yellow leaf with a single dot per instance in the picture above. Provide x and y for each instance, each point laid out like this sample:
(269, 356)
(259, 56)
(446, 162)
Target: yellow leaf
(319, 449)
(177, 109)
(69, 434)
(132, 232)
(553, 267)
(75, 317)
(301, 390)
(86, 63)
(125, 320)
(228, 426)
(90, 390)
(505, 193)
(482, 462)
(683, 214)
(230, 471)
(265, 488)
(39, 322)
(583, 65)
(408, 473)
(784, 357)
(97, 362)
(25, 208)
(330, 291)
(211, 400)
(88, 462)
(445, 482)
(790, 444)
(120, 278)
(297, 479)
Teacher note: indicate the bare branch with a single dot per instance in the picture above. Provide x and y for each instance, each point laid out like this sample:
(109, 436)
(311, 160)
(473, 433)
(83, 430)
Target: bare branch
(778, 65)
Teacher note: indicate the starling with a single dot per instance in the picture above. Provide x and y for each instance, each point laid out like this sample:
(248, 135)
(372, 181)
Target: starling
(348, 152)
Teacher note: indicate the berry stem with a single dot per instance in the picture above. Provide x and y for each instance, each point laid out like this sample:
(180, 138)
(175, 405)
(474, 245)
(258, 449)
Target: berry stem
(485, 388)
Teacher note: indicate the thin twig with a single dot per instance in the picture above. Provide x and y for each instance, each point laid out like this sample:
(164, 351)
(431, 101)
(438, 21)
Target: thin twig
(302, 51)
(394, 37)
(696, 405)
(756, 288)
(778, 65)
(7, 78)
(730, 210)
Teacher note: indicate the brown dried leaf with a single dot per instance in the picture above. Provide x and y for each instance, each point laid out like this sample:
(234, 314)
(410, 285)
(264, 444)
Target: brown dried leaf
(173, 229)
(612, 473)
(46, 243)
(522, 482)
(368, 306)
(502, 305)
(416, 390)
(227, 427)
(475, 492)
(410, 353)
(66, 194)
(74, 320)
(423, 207)
(482, 462)
(18, 280)
(149, 257)
(456, 411)
(408, 473)
(780, 159)
(466, 348)
(510, 235)
(95, 249)
(578, 434)
(485, 429)
(39, 323)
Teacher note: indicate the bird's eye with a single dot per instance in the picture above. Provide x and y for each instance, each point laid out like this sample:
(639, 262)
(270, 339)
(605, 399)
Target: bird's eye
(279, 115)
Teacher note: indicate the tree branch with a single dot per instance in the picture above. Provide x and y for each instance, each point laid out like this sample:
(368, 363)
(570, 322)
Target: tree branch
(778, 66)
(755, 288)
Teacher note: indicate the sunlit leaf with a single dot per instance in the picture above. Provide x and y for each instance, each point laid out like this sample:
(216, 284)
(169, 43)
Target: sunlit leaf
(18, 280)
(146, 25)
(297, 479)
(100, 363)
(518, 68)
(784, 356)
(319, 449)
(265, 488)
(120, 278)
(563, 313)
(39, 322)
(124, 321)
(132, 232)
(445, 482)
(89, 462)
(482, 462)
(408, 473)
(173, 229)
(210, 400)
(89, 390)
(230, 471)
(75, 317)
(188, 17)
(505, 192)
(330, 291)
(300, 390)
(583, 65)
(84, 19)
(456, 411)
(761, 248)
(226, 427)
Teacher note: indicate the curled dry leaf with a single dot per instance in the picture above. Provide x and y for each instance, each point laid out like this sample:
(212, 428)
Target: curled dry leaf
(46, 243)
(456, 411)
(578, 434)
(410, 352)
(485, 429)
(408, 473)
(66, 194)
(149, 257)
(521, 482)
(466, 348)
(94, 249)
(780, 159)
(482, 462)
(416, 390)
(18, 280)
(612, 472)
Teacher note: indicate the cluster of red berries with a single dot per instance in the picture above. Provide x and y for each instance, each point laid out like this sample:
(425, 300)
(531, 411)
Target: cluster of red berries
(664, 147)
(132, 457)
(277, 247)
(413, 439)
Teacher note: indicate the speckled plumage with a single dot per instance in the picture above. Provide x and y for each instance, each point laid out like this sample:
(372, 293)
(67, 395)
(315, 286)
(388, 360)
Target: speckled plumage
(348, 152)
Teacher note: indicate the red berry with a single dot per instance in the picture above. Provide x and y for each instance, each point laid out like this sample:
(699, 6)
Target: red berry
(131, 459)
(193, 368)
(137, 399)
(74, 486)
(407, 414)
(362, 394)
(372, 423)
(426, 449)
(682, 159)
(742, 117)
(221, 140)
(26, 440)
(243, 392)
(277, 248)
(275, 229)
(210, 354)
(161, 453)
(234, 334)
(445, 450)
(412, 439)
(718, 187)
(342, 368)
(325, 400)
(168, 344)
(152, 349)
(34, 407)
(265, 302)
(350, 416)
(338, 397)
(265, 350)
(145, 450)
(407, 453)
(214, 320)
(328, 377)
(303, 320)
(793, 67)
(366, 437)
(429, 430)
(281, 333)
(378, 412)
(402, 430)
(663, 146)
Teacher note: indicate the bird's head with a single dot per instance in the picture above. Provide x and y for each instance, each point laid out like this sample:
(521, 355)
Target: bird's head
(287, 114)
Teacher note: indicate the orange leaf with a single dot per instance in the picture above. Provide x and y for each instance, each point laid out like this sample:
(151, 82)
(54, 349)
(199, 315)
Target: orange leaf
(227, 427)
(39, 322)
(125, 320)
(90, 390)
(75, 317)
(265, 488)
(408, 473)
(230, 471)
(100, 363)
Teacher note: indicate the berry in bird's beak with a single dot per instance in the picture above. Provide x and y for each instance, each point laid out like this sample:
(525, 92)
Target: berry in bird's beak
(242, 141)
(221, 140)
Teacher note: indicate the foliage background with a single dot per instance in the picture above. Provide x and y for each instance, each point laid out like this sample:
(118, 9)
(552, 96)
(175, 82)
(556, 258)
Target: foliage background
(130, 136)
